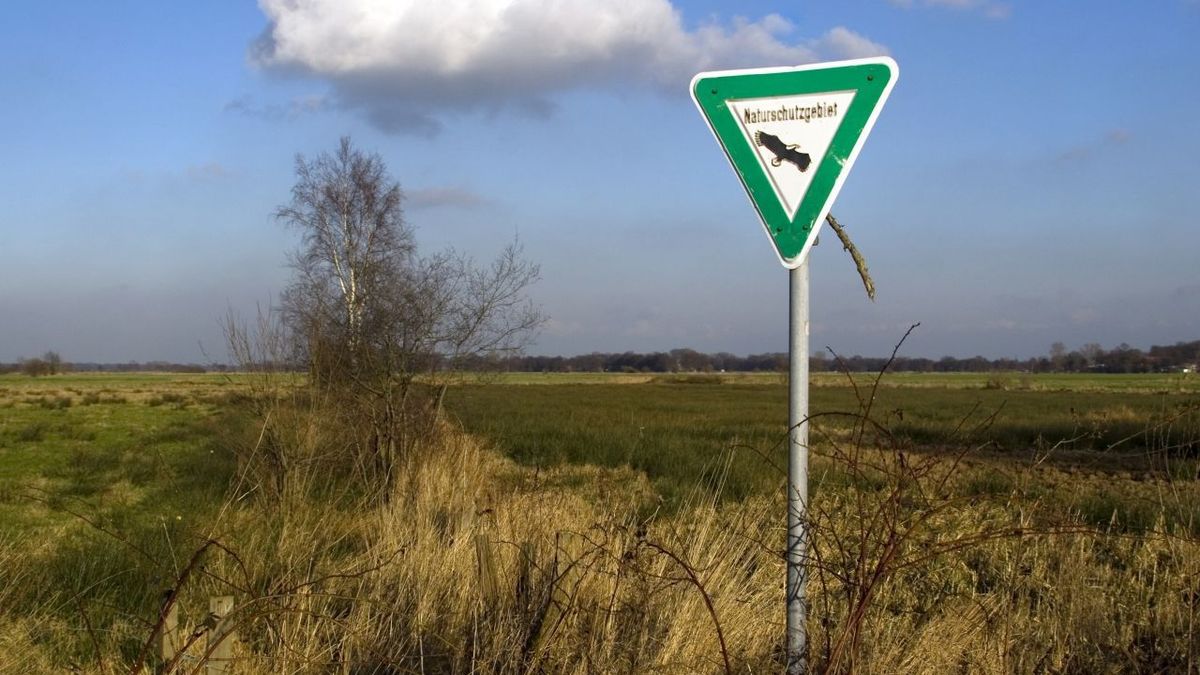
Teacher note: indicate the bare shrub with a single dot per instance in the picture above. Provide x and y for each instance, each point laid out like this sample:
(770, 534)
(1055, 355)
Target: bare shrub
(377, 325)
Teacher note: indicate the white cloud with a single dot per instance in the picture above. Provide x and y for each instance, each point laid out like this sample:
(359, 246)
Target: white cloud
(408, 63)
(844, 43)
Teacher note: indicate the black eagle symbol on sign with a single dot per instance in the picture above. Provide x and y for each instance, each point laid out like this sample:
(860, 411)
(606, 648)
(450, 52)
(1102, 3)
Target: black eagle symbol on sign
(782, 151)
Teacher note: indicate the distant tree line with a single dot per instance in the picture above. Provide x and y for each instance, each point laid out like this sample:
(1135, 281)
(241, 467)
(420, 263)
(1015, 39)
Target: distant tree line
(151, 367)
(51, 363)
(1089, 358)
(676, 360)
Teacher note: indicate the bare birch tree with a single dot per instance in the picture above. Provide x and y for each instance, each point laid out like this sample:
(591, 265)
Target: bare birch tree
(377, 323)
(348, 211)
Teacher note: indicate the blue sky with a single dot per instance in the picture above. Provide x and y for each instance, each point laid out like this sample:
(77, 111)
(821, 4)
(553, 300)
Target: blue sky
(1031, 180)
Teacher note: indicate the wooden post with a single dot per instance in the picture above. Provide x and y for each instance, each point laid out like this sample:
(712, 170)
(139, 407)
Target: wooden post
(488, 582)
(170, 637)
(526, 564)
(220, 659)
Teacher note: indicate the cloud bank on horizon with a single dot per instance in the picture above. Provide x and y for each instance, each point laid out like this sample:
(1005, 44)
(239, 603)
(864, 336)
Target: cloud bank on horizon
(406, 64)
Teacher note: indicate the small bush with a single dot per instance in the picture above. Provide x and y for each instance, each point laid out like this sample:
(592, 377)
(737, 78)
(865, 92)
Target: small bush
(1002, 382)
(48, 403)
(179, 400)
(1111, 510)
(31, 433)
(695, 378)
(77, 432)
(989, 484)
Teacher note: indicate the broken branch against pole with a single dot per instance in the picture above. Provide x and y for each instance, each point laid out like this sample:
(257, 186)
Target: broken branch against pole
(859, 261)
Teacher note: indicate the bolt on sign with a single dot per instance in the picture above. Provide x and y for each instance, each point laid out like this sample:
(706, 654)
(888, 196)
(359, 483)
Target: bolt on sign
(792, 135)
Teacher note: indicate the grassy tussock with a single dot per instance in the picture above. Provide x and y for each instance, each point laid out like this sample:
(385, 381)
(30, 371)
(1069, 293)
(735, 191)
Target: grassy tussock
(476, 564)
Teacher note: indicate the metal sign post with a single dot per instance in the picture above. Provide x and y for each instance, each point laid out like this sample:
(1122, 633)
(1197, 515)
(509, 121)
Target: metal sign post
(792, 135)
(797, 534)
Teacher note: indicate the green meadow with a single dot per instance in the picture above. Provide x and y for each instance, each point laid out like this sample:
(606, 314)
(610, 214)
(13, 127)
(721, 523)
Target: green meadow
(108, 481)
(150, 444)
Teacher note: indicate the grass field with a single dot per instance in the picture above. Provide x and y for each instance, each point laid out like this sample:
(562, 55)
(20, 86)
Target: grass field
(130, 445)
(1174, 383)
(107, 481)
(680, 431)
(119, 437)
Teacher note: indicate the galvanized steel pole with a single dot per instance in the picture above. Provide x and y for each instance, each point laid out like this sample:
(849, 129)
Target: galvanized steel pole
(797, 535)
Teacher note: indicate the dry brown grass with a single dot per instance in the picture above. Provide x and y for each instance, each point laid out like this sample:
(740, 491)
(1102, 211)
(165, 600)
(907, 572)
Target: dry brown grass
(478, 565)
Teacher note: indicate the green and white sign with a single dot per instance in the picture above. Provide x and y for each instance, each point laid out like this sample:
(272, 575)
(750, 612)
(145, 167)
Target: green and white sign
(792, 135)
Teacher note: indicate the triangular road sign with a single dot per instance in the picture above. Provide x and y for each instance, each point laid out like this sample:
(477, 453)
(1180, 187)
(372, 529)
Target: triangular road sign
(792, 135)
